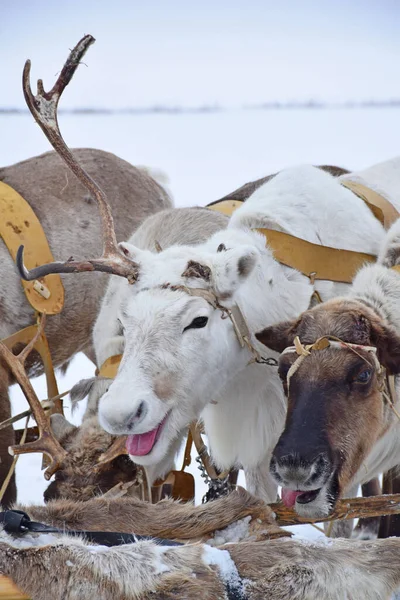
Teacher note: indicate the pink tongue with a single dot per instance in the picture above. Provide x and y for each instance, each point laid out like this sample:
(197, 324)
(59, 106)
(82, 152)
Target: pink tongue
(289, 497)
(141, 444)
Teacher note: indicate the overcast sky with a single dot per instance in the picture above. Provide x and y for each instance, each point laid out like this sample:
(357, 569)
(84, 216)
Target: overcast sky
(205, 52)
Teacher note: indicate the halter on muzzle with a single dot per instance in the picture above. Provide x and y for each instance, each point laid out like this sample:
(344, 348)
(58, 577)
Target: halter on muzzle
(386, 381)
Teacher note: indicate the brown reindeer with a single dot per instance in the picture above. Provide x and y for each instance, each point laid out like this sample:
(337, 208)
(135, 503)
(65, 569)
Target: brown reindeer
(343, 421)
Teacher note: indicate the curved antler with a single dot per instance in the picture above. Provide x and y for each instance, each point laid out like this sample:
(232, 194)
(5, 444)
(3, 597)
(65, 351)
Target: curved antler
(46, 443)
(43, 107)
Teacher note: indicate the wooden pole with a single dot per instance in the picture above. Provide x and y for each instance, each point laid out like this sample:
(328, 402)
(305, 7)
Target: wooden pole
(9, 591)
(352, 508)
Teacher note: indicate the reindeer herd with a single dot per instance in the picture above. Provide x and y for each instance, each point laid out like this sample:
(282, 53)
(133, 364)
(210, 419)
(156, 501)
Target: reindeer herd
(322, 423)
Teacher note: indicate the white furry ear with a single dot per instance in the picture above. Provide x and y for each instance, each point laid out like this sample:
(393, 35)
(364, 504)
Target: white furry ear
(128, 249)
(232, 268)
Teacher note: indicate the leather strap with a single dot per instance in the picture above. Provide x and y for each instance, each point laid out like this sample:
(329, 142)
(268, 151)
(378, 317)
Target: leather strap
(313, 260)
(19, 522)
(20, 226)
(110, 367)
(382, 209)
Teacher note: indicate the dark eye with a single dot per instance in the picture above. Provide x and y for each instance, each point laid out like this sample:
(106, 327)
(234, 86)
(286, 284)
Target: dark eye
(197, 323)
(364, 376)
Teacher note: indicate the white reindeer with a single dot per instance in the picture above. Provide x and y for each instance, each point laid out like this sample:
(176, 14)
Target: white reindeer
(182, 360)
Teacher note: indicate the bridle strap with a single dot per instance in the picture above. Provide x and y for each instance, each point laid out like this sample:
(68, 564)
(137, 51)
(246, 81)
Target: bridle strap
(388, 386)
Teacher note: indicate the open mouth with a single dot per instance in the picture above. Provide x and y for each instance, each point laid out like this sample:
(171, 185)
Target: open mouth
(141, 444)
(290, 497)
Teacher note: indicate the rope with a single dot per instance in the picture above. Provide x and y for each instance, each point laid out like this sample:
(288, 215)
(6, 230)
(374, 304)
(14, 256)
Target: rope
(47, 405)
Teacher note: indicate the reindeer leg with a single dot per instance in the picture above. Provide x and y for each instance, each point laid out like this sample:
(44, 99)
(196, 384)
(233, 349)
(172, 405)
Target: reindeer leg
(390, 525)
(7, 438)
(367, 528)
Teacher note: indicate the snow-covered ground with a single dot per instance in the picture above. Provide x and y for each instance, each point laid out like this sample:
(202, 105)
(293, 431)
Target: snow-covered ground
(205, 156)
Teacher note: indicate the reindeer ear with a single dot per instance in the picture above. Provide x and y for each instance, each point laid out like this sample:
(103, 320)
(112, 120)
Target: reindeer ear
(280, 336)
(388, 343)
(232, 268)
(80, 390)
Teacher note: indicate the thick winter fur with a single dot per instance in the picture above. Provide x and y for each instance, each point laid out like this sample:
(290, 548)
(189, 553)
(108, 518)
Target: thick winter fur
(167, 519)
(70, 219)
(352, 434)
(174, 370)
(46, 567)
(49, 567)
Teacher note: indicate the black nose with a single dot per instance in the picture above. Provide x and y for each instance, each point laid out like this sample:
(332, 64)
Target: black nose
(138, 416)
(297, 471)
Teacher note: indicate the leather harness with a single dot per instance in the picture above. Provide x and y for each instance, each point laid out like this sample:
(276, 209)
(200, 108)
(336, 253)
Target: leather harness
(19, 225)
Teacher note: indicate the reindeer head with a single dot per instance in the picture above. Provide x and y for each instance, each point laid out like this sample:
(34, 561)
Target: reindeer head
(336, 412)
(81, 476)
(180, 348)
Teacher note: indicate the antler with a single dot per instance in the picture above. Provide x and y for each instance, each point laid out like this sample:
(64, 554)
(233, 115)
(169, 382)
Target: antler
(46, 443)
(116, 449)
(43, 107)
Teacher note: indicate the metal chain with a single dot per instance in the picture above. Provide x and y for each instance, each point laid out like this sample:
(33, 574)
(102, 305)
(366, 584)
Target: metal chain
(271, 362)
(216, 487)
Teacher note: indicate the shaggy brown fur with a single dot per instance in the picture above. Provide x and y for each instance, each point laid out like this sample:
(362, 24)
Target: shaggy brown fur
(277, 569)
(79, 478)
(167, 519)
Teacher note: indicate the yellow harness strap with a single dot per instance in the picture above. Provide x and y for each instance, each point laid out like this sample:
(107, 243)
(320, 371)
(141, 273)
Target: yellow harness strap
(316, 261)
(382, 209)
(110, 367)
(313, 260)
(19, 225)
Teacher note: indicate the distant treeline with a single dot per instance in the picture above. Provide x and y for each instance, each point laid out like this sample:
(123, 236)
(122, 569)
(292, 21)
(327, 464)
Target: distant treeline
(309, 104)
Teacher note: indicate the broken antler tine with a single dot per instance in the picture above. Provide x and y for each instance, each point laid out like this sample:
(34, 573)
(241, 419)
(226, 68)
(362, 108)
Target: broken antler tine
(43, 107)
(116, 449)
(46, 443)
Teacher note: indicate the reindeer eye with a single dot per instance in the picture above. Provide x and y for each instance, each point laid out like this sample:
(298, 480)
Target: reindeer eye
(364, 376)
(197, 323)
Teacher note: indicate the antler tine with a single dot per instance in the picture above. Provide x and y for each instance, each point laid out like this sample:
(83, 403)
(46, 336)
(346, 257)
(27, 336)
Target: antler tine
(116, 449)
(43, 107)
(23, 355)
(46, 443)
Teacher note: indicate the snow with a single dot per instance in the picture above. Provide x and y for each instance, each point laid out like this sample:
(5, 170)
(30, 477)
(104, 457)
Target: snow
(227, 568)
(235, 532)
(205, 157)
